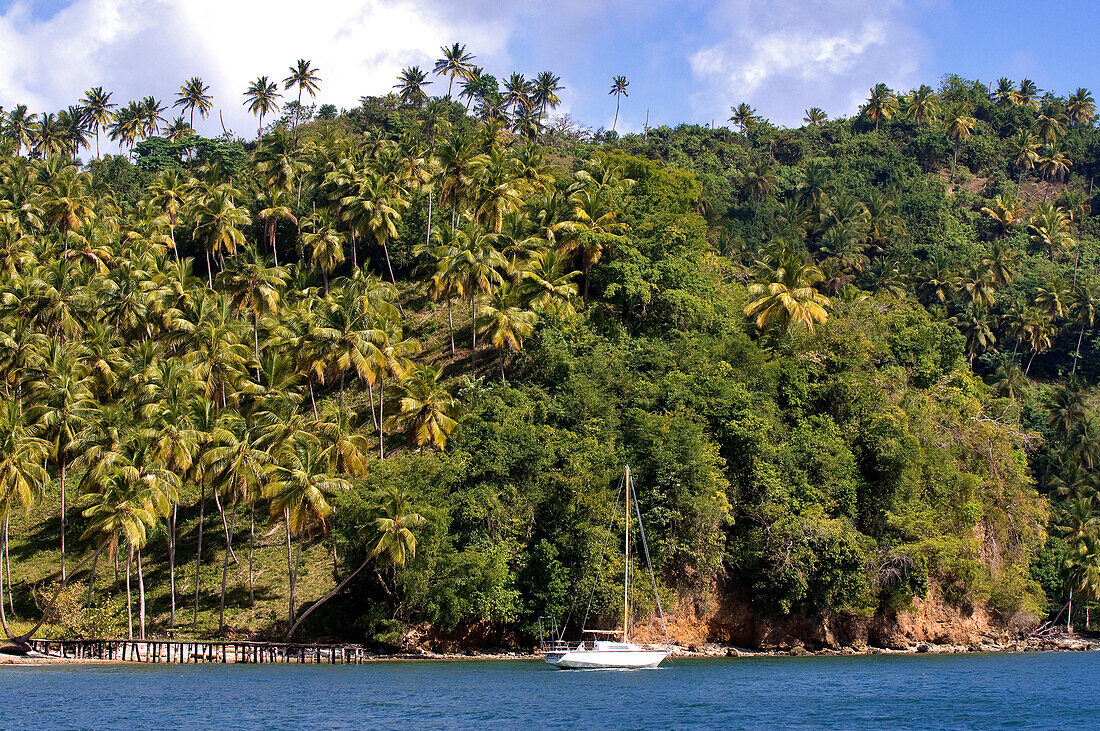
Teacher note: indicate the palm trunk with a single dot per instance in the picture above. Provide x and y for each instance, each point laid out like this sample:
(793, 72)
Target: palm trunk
(1069, 614)
(225, 565)
(1077, 353)
(63, 518)
(141, 594)
(91, 581)
(381, 422)
(271, 240)
(955, 161)
(198, 554)
(3, 614)
(327, 596)
(251, 547)
(501, 354)
(373, 416)
(389, 266)
(289, 566)
(473, 331)
(451, 325)
(428, 235)
(172, 235)
(312, 398)
(7, 561)
(171, 568)
(209, 270)
(1029, 361)
(129, 599)
(225, 528)
(616, 122)
(354, 253)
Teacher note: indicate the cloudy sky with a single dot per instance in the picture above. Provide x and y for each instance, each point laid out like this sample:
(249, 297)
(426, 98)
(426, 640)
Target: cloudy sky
(686, 60)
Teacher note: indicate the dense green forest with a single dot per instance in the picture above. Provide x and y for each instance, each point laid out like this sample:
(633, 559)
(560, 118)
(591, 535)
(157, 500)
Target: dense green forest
(399, 355)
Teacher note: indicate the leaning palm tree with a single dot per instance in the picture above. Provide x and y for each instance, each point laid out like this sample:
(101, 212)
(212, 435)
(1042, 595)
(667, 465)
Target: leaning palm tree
(393, 539)
(783, 295)
(454, 64)
(169, 193)
(1024, 148)
(193, 96)
(262, 98)
(410, 85)
(618, 90)
(97, 103)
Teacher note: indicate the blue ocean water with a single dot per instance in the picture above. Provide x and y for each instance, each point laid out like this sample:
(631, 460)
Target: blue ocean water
(1044, 690)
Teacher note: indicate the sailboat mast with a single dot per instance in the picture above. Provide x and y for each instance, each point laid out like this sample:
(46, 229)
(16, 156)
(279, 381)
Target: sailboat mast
(626, 562)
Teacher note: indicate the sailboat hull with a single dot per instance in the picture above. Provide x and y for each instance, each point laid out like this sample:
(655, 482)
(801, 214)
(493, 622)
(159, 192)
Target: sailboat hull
(593, 659)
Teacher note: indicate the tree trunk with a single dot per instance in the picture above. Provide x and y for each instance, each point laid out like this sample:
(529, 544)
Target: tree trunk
(171, 567)
(289, 566)
(251, 546)
(91, 581)
(271, 240)
(63, 576)
(198, 554)
(1029, 361)
(129, 600)
(955, 161)
(1077, 352)
(141, 594)
(209, 270)
(389, 266)
(354, 254)
(7, 561)
(428, 236)
(381, 422)
(3, 614)
(225, 529)
(451, 325)
(373, 415)
(1069, 614)
(225, 564)
(616, 122)
(327, 596)
(473, 331)
(312, 398)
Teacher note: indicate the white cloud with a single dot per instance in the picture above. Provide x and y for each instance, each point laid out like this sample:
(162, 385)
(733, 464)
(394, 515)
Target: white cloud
(784, 57)
(141, 47)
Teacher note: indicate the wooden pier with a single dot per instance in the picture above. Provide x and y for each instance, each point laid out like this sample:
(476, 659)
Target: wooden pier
(198, 651)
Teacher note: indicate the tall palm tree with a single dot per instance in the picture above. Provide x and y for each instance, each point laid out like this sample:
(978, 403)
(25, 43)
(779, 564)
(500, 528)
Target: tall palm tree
(960, 125)
(517, 93)
(194, 96)
(454, 64)
(1007, 210)
(20, 127)
(882, 104)
(324, 245)
(1049, 228)
(410, 85)
(1051, 127)
(274, 207)
(426, 409)
(1084, 311)
(262, 98)
(152, 116)
(303, 76)
(1005, 93)
(375, 207)
(63, 403)
(253, 287)
(98, 105)
(169, 194)
(1028, 94)
(476, 265)
(783, 295)
(299, 489)
(1025, 149)
(595, 226)
(618, 90)
(505, 322)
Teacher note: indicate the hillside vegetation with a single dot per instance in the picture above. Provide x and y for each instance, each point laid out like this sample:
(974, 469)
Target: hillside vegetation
(396, 357)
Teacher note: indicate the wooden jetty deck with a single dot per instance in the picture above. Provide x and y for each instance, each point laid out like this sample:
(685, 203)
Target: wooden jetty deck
(199, 651)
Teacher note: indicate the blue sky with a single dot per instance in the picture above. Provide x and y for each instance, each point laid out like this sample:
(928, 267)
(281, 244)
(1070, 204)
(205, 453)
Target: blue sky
(687, 61)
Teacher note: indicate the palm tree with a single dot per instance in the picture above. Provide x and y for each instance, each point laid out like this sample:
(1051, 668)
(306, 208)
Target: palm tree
(410, 85)
(426, 409)
(783, 295)
(959, 127)
(23, 475)
(979, 287)
(618, 90)
(516, 93)
(1054, 164)
(1051, 128)
(922, 105)
(299, 489)
(506, 322)
(1028, 94)
(218, 222)
(1005, 93)
(261, 98)
(976, 329)
(546, 285)
(815, 117)
(1007, 210)
(759, 182)
(595, 226)
(274, 207)
(303, 76)
(253, 287)
(152, 116)
(169, 195)
(49, 135)
(395, 542)
(544, 94)
(193, 96)
(455, 63)
(63, 403)
(882, 104)
(1025, 149)
(1049, 228)
(744, 117)
(97, 103)
(131, 502)
(374, 207)
(21, 127)
(476, 266)
(1081, 108)
(325, 246)
(1086, 305)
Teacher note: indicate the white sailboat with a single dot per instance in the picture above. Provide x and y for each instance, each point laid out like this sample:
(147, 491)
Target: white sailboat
(609, 653)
